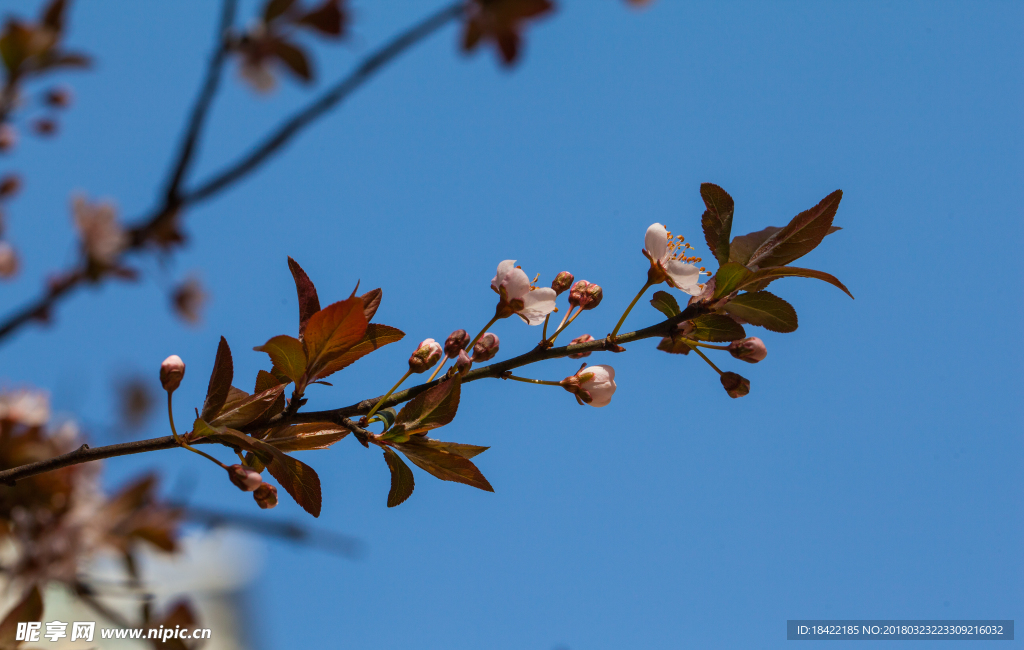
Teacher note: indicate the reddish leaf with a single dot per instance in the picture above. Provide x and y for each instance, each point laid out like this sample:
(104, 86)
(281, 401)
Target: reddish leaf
(377, 336)
(309, 303)
(244, 411)
(220, 381)
(430, 409)
(276, 8)
(53, 15)
(729, 277)
(306, 436)
(294, 58)
(28, 609)
(764, 309)
(458, 448)
(717, 328)
(500, 21)
(674, 345)
(371, 301)
(800, 236)
(717, 220)
(764, 276)
(265, 380)
(402, 480)
(331, 332)
(287, 355)
(443, 464)
(327, 19)
(743, 246)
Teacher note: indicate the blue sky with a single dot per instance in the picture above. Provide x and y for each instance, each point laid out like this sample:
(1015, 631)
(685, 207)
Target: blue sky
(872, 472)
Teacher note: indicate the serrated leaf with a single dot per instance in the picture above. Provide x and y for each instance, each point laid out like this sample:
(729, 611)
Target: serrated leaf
(800, 236)
(297, 478)
(665, 303)
(443, 464)
(716, 328)
(309, 303)
(240, 413)
(765, 310)
(371, 301)
(331, 332)
(376, 337)
(220, 381)
(430, 409)
(402, 480)
(717, 220)
(728, 278)
(28, 609)
(287, 355)
(306, 436)
(294, 58)
(763, 277)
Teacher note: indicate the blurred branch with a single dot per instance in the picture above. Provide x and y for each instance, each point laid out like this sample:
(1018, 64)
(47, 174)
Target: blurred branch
(142, 234)
(341, 415)
(87, 595)
(202, 105)
(331, 542)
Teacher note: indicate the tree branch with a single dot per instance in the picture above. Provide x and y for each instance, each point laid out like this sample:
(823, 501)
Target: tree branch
(340, 416)
(141, 234)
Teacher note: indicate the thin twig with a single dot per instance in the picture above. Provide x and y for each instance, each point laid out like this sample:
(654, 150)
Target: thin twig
(341, 415)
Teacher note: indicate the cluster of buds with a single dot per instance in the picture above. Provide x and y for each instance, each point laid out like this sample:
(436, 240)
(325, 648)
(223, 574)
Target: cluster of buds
(455, 343)
(585, 295)
(427, 354)
(592, 385)
(245, 478)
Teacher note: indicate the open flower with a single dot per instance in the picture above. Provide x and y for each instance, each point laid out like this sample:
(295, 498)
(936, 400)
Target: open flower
(103, 237)
(519, 296)
(669, 262)
(593, 385)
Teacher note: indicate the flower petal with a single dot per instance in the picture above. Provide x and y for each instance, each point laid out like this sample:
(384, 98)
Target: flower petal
(537, 304)
(503, 270)
(656, 241)
(601, 385)
(516, 284)
(683, 276)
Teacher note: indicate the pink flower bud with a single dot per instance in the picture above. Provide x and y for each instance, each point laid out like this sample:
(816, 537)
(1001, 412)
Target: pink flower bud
(266, 496)
(586, 338)
(585, 295)
(463, 363)
(456, 341)
(172, 371)
(245, 478)
(8, 137)
(426, 355)
(8, 261)
(562, 282)
(735, 385)
(750, 350)
(592, 385)
(485, 348)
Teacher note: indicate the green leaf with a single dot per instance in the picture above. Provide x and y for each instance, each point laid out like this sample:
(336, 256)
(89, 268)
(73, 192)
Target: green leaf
(309, 303)
(331, 332)
(376, 337)
(445, 465)
(743, 246)
(717, 328)
(386, 416)
(728, 278)
(287, 355)
(430, 409)
(665, 303)
(764, 276)
(247, 409)
(28, 609)
(220, 381)
(202, 429)
(764, 309)
(717, 220)
(800, 236)
(402, 480)
(306, 436)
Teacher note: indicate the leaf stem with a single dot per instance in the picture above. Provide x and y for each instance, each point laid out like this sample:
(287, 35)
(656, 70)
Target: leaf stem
(566, 322)
(388, 394)
(692, 343)
(531, 381)
(544, 334)
(178, 439)
(702, 355)
(444, 360)
(622, 320)
(482, 332)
